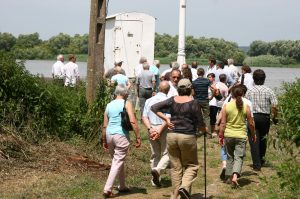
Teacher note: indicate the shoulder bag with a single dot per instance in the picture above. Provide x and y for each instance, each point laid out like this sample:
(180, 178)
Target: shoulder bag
(125, 121)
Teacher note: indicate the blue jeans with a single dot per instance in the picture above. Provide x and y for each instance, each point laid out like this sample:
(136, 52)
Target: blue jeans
(223, 154)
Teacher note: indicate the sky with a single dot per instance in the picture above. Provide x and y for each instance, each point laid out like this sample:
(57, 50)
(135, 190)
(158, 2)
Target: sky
(240, 21)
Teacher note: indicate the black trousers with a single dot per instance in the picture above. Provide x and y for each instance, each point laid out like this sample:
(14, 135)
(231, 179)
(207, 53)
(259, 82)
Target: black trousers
(258, 149)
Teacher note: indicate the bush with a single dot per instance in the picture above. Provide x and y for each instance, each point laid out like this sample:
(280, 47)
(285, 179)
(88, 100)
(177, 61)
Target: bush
(290, 112)
(262, 60)
(25, 102)
(287, 140)
(36, 109)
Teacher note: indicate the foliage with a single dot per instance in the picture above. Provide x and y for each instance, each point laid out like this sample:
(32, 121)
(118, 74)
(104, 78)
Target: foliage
(59, 44)
(287, 140)
(25, 103)
(28, 41)
(203, 48)
(32, 47)
(36, 109)
(7, 41)
(268, 60)
(282, 48)
(290, 112)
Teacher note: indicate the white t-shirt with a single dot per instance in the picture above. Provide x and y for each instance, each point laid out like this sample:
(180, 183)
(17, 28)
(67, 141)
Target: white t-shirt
(248, 80)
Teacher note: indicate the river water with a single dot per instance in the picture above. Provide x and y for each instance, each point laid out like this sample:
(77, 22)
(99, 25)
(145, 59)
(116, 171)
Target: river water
(275, 76)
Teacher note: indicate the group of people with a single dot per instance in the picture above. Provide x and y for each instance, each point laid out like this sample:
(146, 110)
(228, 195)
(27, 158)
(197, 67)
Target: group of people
(66, 74)
(219, 101)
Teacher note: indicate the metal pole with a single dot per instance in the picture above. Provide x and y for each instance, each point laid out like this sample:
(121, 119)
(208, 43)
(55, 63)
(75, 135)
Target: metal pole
(204, 165)
(181, 35)
(95, 64)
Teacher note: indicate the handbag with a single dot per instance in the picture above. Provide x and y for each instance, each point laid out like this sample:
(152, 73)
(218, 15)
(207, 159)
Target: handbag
(125, 121)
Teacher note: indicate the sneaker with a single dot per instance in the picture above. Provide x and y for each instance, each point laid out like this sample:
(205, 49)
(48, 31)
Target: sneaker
(184, 194)
(222, 175)
(155, 177)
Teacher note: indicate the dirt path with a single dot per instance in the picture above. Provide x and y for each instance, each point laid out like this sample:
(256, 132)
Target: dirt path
(58, 170)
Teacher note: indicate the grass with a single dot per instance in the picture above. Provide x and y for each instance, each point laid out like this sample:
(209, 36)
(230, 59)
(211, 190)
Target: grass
(49, 175)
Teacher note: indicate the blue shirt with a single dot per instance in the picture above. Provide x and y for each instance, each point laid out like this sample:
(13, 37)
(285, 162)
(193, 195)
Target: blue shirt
(113, 110)
(120, 79)
(155, 71)
(201, 86)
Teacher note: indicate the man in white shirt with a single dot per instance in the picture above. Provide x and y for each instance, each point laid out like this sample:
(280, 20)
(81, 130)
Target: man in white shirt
(234, 71)
(211, 66)
(71, 72)
(159, 154)
(174, 79)
(57, 67)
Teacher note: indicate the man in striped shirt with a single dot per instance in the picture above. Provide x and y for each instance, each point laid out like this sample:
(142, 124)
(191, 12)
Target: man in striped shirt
(264, 103)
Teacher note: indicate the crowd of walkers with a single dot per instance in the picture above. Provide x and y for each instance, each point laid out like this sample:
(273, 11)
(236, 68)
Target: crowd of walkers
(181, 104)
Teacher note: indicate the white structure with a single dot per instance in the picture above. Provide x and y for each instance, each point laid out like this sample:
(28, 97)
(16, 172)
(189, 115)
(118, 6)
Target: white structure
(128, 37)
(181, 35)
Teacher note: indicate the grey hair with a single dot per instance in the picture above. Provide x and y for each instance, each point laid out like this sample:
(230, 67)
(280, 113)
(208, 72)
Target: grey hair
(143, 59)
(60, 56)
(175, 65)
(155, 62)
(121, 90)
(146, 65)
(230, 61)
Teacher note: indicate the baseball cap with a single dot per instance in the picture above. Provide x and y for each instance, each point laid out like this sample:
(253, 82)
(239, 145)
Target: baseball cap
(184, 83)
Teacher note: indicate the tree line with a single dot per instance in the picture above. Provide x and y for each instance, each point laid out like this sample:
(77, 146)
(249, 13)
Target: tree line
(30, 46)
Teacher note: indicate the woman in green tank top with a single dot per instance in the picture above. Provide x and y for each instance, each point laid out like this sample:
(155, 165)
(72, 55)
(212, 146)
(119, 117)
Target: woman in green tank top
(234, 129)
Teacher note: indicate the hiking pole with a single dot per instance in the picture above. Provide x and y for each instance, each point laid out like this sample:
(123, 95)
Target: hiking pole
(204, 164)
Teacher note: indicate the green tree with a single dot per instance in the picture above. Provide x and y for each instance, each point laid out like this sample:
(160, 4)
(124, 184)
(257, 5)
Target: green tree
(59, 44)
(7, 41)
(258, 48)
(28, 41)
(78, 44)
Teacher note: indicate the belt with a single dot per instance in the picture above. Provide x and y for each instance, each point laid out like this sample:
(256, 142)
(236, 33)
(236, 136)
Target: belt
(266, 114)
(147, 88)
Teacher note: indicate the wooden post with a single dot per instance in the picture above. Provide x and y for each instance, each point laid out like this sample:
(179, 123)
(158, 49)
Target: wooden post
(95, 64)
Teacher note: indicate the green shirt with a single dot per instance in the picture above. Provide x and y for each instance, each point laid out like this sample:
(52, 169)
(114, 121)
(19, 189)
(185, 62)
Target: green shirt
(235, 121)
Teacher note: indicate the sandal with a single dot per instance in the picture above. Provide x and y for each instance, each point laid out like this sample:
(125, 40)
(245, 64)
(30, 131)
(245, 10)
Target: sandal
(235, 185)
(109, 194)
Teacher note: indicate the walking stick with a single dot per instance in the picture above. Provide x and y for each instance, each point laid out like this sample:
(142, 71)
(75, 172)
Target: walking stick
(205, 165)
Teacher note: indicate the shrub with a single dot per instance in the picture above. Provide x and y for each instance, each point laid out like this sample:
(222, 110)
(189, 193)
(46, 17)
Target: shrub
(287, 140)
(36, 109)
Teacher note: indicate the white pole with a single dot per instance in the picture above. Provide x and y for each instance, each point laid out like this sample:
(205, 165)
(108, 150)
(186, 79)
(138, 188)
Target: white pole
(181, 35)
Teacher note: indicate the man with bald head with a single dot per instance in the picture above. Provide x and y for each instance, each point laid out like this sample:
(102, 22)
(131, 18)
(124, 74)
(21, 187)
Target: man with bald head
(159, 157)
